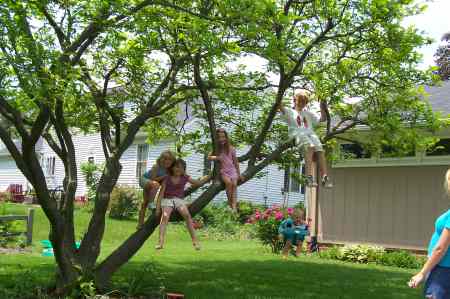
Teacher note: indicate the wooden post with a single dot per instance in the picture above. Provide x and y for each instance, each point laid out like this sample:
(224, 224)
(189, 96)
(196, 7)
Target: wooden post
(311, 202)
(30, 226)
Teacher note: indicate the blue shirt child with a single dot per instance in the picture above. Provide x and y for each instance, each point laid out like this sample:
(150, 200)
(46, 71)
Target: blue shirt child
(442, 222)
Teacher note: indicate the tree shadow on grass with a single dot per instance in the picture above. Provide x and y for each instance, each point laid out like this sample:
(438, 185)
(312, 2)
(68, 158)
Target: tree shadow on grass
(301, 278)
(231, 278)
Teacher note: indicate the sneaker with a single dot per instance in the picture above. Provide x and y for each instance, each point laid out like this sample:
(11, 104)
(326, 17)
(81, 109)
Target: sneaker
(196, 246)
(326, 182)
(158, 247)
(310, 181)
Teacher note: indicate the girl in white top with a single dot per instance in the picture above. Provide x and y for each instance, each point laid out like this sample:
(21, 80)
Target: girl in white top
(301, 123)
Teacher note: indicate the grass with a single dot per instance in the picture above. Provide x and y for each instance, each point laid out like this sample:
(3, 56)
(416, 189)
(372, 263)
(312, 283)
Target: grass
(222, 269)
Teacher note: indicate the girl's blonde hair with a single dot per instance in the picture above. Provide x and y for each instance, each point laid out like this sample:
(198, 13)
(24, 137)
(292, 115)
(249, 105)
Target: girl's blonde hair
(446, 185)
(299, 213)
(302, 93)
(166, 153)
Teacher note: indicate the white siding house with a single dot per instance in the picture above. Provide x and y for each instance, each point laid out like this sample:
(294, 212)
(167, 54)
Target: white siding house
(264, 190)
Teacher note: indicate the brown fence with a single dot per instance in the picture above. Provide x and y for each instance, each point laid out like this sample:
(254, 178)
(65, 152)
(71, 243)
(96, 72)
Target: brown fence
(389, 206)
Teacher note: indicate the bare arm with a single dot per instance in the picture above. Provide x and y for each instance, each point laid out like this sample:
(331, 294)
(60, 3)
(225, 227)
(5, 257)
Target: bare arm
(154, 173)
(200, 182)
(211, 157)
(436, 256)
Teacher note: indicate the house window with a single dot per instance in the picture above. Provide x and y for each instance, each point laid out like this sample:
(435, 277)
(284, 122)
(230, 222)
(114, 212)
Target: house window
(354, 151)
(292, 179)
(50, 166)
(206, 165)
(142, 155)
(391, 152)
(441, 148)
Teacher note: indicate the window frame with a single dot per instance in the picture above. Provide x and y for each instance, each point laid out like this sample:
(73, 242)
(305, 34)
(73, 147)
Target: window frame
(141, 159)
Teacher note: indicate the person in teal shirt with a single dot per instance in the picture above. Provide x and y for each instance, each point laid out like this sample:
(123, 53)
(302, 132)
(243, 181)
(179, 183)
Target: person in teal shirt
(436, 270)
(293, 231)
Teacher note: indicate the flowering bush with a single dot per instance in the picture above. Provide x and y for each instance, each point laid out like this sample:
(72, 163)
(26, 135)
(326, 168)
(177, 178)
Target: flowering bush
(267, 223)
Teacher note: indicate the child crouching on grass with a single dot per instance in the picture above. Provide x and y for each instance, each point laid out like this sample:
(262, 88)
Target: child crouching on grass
(293, 231)
(172, 194)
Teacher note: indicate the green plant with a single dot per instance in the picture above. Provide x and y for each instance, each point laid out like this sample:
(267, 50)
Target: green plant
(5, 196)
(219, 222)
(361, 253)
(9, 238)
(124, 202)
(331, 253)
(91, 174)
(402, 259)
(373, 254)
(246, 209)
(147, 281)
(267, 224)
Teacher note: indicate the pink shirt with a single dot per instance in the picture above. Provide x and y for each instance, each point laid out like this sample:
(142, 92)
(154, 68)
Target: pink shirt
(175, 190)
(227, 167)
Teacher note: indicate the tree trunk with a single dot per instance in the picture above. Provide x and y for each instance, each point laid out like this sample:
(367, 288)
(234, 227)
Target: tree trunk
(90, 245)
(124, 252)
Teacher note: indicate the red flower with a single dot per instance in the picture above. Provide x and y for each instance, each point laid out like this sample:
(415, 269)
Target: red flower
(278, 215)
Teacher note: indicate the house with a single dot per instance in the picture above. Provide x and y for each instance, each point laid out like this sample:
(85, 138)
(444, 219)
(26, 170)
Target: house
(388, 201)
(266, 189)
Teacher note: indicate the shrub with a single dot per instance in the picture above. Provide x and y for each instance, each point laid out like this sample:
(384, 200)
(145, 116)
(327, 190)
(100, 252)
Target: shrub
(331, 253)
(92, 173)
(124, 202)
(5, 196)
(246, 210)
(219, 222)
(373, 254)
(402, 259)
(361, 253)
(8, 238)
(267, 223)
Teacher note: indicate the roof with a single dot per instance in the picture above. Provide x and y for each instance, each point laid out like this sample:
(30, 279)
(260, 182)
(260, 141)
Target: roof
(439, 97)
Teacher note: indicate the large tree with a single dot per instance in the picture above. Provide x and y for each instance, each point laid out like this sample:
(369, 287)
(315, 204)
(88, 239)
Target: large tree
(59, 58)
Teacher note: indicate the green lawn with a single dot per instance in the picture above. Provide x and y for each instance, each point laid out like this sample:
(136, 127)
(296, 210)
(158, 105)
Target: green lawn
(222, 269)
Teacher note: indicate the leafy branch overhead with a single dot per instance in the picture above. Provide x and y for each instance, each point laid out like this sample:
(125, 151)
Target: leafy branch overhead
(123, 67)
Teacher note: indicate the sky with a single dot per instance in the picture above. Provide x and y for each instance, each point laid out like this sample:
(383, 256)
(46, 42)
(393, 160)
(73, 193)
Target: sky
(434, 22)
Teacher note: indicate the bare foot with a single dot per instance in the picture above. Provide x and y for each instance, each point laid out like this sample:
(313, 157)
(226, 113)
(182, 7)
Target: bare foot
(158, 247)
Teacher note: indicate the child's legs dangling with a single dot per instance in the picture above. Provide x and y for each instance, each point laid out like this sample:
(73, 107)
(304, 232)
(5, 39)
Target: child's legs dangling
(149, 189)
(318, 148)
(230, 188)
(167, 211)
(184, 212)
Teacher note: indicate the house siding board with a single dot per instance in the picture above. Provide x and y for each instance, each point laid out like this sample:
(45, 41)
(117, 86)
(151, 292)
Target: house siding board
(394, 207)
(263, 190)
(88, 145)
(10, 174)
